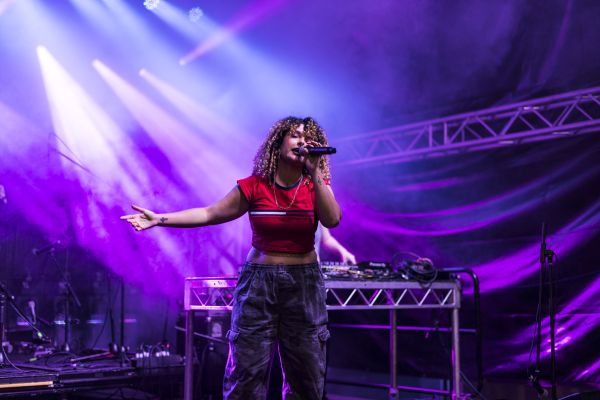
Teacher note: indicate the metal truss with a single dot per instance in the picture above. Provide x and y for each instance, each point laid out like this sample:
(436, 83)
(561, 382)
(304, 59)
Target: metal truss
(209, 293)
(353, 294)
(217, 294)
(552, 117)
(368, 295)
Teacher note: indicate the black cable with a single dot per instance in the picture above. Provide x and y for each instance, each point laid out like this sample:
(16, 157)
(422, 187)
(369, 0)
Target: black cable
(112, 302)
(20, 314)
(66, 354)
(537, 335)
(419, 269)
(538, 316)
(5, 355)
(536, 332)
(448, 354)
(146, 367)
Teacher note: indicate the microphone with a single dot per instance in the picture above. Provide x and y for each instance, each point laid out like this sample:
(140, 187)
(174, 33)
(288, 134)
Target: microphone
(31, 305)
(46, 248)
(314, 150)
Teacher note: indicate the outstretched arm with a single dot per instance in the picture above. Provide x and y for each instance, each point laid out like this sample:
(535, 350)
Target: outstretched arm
(230, 207)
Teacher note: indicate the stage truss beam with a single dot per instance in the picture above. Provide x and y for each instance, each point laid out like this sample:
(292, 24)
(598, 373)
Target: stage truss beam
(552, 117)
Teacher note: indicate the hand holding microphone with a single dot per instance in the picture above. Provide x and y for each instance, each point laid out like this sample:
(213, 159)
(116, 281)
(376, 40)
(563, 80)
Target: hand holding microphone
(317, 150)
(311, 153)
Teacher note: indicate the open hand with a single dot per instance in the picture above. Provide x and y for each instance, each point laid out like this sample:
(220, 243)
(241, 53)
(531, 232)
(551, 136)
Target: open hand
(146, 219)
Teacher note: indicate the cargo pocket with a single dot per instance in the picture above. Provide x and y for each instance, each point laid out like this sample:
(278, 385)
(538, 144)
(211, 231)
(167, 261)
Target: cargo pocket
(324, 335)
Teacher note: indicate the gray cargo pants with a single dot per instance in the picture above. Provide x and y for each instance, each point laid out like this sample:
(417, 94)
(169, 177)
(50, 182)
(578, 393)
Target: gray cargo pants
(281, 305)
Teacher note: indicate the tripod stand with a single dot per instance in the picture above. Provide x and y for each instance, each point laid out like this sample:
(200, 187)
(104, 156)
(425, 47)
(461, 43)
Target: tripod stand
(122, 350)
(546, 277)
(119, 349)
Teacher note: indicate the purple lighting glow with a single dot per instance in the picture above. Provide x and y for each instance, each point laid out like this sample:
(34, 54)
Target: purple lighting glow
(246, 18)
(97, 114)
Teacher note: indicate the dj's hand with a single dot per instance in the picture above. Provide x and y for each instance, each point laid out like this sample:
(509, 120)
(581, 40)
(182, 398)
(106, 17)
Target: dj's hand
(347, 257)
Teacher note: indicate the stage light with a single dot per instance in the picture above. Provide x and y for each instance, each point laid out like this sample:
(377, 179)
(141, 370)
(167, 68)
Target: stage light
(151, 4)
(179, 20)
(195, 14)
(247, 17)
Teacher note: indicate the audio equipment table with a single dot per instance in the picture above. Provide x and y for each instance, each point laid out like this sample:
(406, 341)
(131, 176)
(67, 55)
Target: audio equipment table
(216, 293)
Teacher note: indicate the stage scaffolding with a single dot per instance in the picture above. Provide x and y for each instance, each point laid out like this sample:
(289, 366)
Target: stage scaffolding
(558, 116)
(216, 294)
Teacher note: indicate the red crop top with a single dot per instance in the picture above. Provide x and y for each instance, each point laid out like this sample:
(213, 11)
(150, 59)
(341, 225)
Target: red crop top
(276, 229)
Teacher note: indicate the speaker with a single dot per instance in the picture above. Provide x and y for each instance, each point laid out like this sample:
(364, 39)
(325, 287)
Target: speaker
(212, 355)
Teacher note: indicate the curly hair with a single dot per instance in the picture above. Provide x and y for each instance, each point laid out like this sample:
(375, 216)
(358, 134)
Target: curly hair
(267, 156)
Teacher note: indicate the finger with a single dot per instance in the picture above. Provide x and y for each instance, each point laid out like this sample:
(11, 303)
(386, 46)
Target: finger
(138, 208)
(130, 216)
(312, 143)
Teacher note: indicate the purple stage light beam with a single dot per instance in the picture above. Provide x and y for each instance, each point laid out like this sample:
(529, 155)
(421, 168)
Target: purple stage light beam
(251, 15)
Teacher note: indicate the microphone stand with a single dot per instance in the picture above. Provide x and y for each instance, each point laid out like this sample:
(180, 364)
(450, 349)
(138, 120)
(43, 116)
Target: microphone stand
(122, 350)
(112, 346)
(4, 294)
(69, 295)
(7, 297)
(546, 263)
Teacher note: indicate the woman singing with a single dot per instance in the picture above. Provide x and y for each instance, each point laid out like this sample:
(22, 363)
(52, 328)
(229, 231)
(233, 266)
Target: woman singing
(280, 295)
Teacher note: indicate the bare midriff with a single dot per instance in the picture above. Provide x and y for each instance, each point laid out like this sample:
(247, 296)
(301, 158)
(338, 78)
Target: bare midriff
(262, 257)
